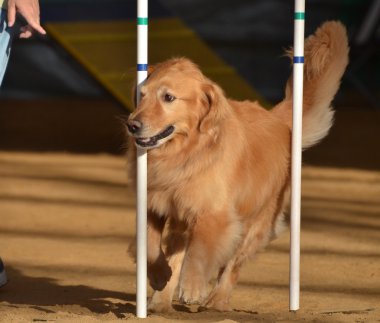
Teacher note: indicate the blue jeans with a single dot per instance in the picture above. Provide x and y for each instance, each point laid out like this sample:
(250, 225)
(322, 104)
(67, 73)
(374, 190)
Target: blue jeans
(5, 43)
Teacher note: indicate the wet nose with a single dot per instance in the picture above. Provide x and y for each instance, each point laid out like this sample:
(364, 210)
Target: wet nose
(134, 126)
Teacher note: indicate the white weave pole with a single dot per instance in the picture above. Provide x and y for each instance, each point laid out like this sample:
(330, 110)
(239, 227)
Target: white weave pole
(141, 221)
(295, 218)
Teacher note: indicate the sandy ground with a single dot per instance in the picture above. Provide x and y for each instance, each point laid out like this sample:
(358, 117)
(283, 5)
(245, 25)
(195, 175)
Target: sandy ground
(66, 219)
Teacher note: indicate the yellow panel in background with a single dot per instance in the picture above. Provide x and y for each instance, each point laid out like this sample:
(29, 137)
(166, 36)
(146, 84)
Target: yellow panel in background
(108, 51)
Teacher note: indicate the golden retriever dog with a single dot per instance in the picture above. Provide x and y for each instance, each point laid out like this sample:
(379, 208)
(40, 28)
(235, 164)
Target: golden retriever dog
(218, 169)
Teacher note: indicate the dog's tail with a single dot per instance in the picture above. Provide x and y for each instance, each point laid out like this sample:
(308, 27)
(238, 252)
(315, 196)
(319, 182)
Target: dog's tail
(326, 57)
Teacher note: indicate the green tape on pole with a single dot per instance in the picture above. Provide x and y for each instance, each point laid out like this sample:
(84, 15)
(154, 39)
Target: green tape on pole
(142, 21)
(299, 15)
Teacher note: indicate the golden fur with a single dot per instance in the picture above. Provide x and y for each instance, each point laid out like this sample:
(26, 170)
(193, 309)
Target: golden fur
(218, 176)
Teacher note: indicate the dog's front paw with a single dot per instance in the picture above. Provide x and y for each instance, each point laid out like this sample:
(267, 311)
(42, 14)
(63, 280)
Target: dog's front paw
(192, 291)
(218, 302)
(159, 274)
(158, 304)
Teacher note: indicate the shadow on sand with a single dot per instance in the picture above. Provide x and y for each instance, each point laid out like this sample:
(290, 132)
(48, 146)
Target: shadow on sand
(42, 292)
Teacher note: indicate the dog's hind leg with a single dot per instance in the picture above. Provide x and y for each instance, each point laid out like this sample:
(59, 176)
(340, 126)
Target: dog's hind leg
(255, 238)
(219, 298)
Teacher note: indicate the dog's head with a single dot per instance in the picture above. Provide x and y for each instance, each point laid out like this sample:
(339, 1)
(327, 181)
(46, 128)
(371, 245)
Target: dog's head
(175, 100)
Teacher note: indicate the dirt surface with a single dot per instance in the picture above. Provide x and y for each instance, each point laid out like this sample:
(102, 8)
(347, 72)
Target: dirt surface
(66, 219)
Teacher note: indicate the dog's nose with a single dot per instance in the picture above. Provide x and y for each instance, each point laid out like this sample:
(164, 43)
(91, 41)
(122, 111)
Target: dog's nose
(134, 126)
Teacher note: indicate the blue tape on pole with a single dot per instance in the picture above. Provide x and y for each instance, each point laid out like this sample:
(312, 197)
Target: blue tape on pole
(142, 67)
(298, 59)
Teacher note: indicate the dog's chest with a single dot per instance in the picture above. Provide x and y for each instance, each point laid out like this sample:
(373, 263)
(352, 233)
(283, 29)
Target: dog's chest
(170, 202)
(187, 199)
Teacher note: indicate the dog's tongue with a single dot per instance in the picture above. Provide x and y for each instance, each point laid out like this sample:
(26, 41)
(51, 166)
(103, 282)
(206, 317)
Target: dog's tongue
(146, 142)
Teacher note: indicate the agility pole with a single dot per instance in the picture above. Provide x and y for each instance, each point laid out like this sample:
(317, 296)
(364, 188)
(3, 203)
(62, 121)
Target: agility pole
(295, 217)
(142, 192)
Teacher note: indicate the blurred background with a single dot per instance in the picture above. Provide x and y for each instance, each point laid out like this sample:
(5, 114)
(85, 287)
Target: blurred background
(69, 91)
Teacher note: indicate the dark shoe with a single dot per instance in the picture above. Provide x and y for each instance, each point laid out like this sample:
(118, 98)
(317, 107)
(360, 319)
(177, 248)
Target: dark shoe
(3, 275)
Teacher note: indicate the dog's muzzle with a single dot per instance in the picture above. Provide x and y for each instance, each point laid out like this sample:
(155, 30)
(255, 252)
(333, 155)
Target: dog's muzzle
(135, 128)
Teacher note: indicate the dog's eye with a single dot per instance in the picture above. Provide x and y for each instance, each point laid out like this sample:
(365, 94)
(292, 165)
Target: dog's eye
(169, 98)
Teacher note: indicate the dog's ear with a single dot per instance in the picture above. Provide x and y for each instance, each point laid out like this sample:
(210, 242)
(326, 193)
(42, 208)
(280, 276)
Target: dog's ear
(151, 69)
(212, 100)
(133, 94)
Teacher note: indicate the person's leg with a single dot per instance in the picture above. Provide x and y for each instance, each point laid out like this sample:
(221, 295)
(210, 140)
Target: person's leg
(5, 46)
(5, 43)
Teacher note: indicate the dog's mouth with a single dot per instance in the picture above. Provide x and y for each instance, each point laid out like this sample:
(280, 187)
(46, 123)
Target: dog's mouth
(155, 141)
